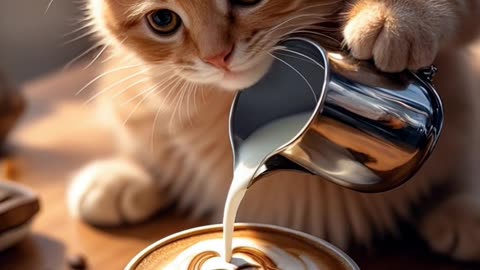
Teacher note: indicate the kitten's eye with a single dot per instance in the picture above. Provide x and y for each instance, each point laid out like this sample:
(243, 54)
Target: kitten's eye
(164, 21)
(245, 3)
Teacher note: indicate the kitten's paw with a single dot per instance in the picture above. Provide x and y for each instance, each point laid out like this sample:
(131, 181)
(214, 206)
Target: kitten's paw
(453, 228)
(112, 192)
(395, 36)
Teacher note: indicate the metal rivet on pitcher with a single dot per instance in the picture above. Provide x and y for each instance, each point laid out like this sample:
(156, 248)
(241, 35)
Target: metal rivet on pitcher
(429, 73)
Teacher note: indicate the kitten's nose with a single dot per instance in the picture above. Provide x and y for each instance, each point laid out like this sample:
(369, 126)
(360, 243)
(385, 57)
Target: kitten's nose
(220, 60)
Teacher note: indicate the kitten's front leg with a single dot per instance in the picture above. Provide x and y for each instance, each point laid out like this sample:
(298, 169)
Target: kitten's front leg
(114, 191)
(397, 34)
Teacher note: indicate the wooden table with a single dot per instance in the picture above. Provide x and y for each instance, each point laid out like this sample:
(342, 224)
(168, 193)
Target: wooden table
(57, 136)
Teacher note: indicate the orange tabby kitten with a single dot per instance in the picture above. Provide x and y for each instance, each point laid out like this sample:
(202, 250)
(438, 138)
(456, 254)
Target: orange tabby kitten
(176, 65)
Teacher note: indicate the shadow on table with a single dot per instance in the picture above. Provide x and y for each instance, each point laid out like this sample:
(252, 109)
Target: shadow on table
(31, 253)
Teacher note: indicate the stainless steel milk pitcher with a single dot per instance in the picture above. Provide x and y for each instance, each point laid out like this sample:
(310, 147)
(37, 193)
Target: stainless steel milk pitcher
(368, 131)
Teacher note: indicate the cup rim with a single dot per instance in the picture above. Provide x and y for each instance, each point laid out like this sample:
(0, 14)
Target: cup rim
(339, 254)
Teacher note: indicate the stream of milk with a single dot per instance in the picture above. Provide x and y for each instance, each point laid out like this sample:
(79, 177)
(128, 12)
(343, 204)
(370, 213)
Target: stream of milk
(251, 155)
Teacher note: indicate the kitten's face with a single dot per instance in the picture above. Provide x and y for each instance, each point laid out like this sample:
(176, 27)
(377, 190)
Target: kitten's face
(221, 42)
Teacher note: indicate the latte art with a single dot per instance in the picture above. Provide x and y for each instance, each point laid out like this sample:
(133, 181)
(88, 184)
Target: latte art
(212, 260)
(255, 247)
(247, 254)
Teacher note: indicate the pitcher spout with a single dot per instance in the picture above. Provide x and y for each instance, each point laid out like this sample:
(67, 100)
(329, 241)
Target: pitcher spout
(276, 164)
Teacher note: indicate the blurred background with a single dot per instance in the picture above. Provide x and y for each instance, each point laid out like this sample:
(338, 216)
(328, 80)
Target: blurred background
(32, 41)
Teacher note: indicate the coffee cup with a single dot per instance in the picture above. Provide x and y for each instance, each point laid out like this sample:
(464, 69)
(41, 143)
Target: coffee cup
(255, 246)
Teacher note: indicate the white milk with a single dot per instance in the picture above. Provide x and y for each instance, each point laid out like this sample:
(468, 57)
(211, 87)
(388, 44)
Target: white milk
(250, 157)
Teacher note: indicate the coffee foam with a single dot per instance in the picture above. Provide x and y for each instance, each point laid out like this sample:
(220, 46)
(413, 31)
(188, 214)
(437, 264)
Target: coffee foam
(258, 254)
(261, 249)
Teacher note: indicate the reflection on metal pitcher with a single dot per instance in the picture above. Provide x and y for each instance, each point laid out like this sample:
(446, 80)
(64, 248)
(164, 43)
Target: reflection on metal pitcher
(370, 131)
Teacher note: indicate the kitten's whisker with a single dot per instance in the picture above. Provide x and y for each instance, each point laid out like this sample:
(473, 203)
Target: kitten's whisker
(124, 90)
(152, 142)
(115, 84)
(195, 100)
(150, 91)
(319, 5)
(186, 97)
(177, 104)
(342, 17)
(84, 35)
(259, 47)
(110, 57)
(300, 16)
(319, 34)
(166, 98)
(300, 74)
(283, 37)
(188, 91)
(170, 90)
(331, 3)
(176, 82)
(190, 94)
(291, 19)
(202, 93)
(123, 40)
(146, 91)
(101, 52)
(165, 84)
(324, 28)
(105, 74)
(84, 26)
(105, 47)
(82, 20)
(183, 66)
(49, 5)
(294, 57)
(302, 57)
(80, 56)
(195, 104)
(298, 26)
(317, 18)
(113, 54)
(266, 40)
